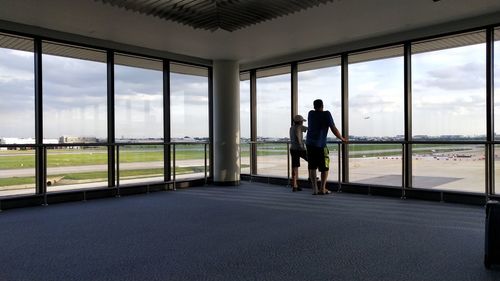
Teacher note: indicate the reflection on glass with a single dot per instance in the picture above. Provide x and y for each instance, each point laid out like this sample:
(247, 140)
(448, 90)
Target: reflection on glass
(377, 164)
(496, 83)
(245, 157)
(189, 113)
(272, 159)
(17, 116)
(141, 164)
(273, 103)
(273, 120)
(190, 160)
(17, 171)
(497, 170)
(376, 94)
(138, 99)
(333, 172)
(320, 80)
(449, 167)
(77, 167)
(74, 94)
(189, 102)
(449, 87)
(245, 126)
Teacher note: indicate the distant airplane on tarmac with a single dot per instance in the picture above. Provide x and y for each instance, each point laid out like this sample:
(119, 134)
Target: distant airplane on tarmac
(366, 117)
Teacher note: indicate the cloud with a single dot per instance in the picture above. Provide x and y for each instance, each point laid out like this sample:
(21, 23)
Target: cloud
(188, 90)
(73, 72)
(138, 76)
(376, 103)
(469, 76)
(17, 63)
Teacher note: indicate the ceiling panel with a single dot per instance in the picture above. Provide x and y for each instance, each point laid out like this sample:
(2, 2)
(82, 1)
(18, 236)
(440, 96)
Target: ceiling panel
(229, 15)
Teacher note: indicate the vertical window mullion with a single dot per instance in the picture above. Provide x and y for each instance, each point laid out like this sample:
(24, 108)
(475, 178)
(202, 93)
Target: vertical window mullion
(40, 155)
(253, 122)
(166, 122)
(345, 117)
(407, 153)
(111, 117)
(490, 111)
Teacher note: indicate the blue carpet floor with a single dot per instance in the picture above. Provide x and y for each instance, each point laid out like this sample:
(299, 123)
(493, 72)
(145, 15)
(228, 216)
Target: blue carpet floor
(251, 232)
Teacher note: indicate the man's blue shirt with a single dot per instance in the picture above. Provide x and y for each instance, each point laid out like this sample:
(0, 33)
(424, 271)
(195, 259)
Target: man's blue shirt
(318, 123)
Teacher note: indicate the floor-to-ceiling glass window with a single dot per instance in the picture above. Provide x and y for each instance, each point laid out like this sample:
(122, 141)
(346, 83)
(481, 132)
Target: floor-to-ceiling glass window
(245, 123)
(17, 115)
(321, 79)
(74, 112)
(376, 113)
(139, 118)
(449, 105)
(496, 82)
(189, 118)
(273, 120)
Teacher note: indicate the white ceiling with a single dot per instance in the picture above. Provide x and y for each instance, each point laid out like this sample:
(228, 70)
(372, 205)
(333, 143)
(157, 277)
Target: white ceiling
(306, 33)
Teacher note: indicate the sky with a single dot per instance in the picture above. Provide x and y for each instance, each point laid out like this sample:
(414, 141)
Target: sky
(75, 98)
(448, 97)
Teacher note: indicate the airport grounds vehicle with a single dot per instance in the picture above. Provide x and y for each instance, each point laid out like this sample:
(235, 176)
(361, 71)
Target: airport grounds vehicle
(492, 234)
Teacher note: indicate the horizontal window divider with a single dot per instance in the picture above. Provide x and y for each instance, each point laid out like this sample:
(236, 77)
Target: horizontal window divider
(384, 142)
(51, 145)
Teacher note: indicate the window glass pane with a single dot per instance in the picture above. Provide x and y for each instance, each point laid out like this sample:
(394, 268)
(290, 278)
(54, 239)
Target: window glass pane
(17, 171)
(497, 107)
(189, 123)
(245, 126)
(17, 116)
(189, 103)
(496, 82)
(74, 94)
(320, 79)
(449, 167)
(376, 95)
(449, 87)
(377, 164)
(272, 159)
(497, 170)
(273, 119)
(273, 104)
(138, 99)
(76, 167)
(190, 160)
(141, 163)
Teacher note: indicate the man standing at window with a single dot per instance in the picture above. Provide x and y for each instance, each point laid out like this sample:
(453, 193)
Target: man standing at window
(317, 151)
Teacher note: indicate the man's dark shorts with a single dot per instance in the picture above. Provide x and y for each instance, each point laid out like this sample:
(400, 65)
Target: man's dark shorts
(318, 158)
(296, 155)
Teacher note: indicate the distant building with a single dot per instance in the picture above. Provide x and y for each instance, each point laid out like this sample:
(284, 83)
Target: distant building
(22, 141)
(71, 139)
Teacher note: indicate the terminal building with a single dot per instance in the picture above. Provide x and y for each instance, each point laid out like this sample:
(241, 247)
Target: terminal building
(187, 105)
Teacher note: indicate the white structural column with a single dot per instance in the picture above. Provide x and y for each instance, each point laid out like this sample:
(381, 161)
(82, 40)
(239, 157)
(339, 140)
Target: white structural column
(226, 118)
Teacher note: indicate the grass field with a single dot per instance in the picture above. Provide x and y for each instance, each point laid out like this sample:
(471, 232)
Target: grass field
(98, 176)
(70, 157)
